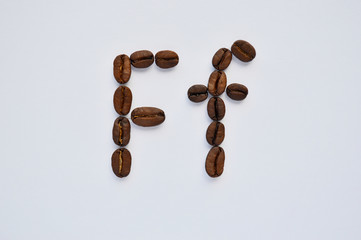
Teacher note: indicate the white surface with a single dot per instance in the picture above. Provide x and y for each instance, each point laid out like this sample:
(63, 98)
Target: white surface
(293, 153)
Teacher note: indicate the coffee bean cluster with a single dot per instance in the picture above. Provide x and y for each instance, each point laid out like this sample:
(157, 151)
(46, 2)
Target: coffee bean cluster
(217, 84)
(141, 116)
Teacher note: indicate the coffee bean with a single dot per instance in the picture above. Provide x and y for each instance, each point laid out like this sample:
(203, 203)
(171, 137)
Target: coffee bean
(122, 69)
(217, 83)
(215, 133)
(237, 91)
(121, 131)
(147, 116)
(216, 108)
(166, 59)
(121, 162)
(243, 50)
(221, 59)
(215, 162)
(122, 100)
(142, 59)
(197, 93)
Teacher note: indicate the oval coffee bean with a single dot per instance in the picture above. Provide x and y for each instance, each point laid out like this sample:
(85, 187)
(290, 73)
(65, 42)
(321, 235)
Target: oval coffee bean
(217, 83)
(216, 108)
(215, 133)
(237, 91)
(243, 50)
(166, 59)
(215, 162)
(122, 69)
(221, 59)
(121, 131)
(147, 116)
(198, 93)
(122, 100)
(121, 162)
(142, 59)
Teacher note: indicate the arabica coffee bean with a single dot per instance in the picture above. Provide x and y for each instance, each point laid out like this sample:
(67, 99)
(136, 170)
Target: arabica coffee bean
(215, 133)
(121, 162)
(217, 83)
(121, 131)
(243, 50)
(221, 59)
(122, 68)
(216, 108)
(142, 59)
(215, 162)
(147, 116)
(237, 91)
(166, 59)
(122, 100)
(198, 93)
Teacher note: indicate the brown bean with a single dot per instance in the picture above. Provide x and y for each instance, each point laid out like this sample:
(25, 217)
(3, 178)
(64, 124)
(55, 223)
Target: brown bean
(122, 100)
(237, 91)
(217, 83)
(166, 59)
(215, 162)
(215, 133)
(243, 50)
(147, 116)
(197, 93)
(121, 131)
(142, 59)
(121, 162)
(122, 68)
(221, 59)
(216, 108)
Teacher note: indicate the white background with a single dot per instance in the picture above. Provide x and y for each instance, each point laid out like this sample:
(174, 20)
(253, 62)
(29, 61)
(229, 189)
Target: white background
(293, 155)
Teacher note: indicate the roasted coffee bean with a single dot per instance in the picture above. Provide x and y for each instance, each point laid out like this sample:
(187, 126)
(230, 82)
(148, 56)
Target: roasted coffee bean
(121, 162)
(121, 131)
(147, 116)
(237, 91)
(197, 93)
(166, 59)
(217, 83)
(243, 50)
(215, 133)
(142, 59)
(122, 100)
(122, 68)
(221, 59)
(215, 162)
(216, 108)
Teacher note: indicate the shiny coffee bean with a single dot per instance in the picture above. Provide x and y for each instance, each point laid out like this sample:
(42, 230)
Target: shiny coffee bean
(122, 100)
(216, 108)
(243, 50)
(142, 59)
(237, 91)
(122, 68)
(121, 131)
(221, 59)
(215, 133)
(197, 93)
(147, 116)
(217, 83)
(166, 59)
(215, 162)
(121, 162)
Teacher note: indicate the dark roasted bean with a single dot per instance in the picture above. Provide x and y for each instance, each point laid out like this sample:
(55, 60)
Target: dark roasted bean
(166, 59)
(221, 59)
(237, 91)
(122, 68)
(197, 93)
(243, 50)
(215, 133)
(121, 131)
(215, 162)
(122, 100)
(142, 59)
(147, 116)
(217, 83)
(216, 108)
(121, 162)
